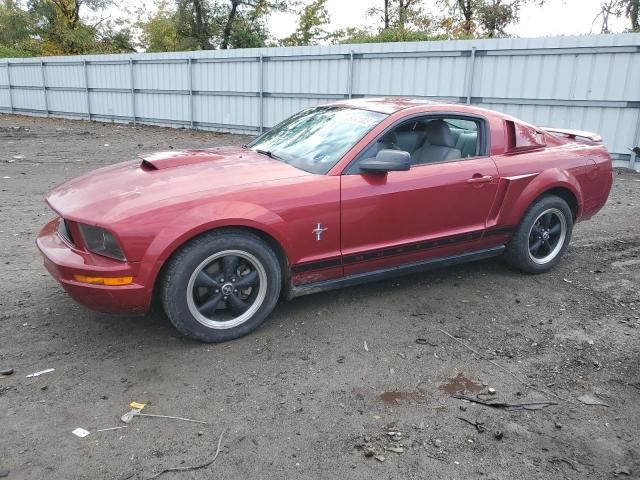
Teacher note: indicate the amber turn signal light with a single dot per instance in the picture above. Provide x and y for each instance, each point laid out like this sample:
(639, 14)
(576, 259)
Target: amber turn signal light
(104, 280)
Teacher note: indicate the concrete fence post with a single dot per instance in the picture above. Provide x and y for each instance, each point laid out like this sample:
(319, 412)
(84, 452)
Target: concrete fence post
(190, 81)
(350, 76)
(261, 94)
(86, 88)
(470, 71)
(133, 91)
(44, 88)
(9, 85)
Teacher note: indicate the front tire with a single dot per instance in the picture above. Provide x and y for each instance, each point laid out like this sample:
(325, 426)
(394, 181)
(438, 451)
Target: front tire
(542, 236)
(221, 285)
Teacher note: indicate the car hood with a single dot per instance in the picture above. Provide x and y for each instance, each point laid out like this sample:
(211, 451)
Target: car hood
(134, 187)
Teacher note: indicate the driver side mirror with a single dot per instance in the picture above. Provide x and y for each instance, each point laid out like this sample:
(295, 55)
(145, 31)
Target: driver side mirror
(387, 161)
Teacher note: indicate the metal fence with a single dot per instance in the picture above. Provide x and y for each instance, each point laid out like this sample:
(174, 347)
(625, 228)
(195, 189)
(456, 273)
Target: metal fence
(587, 82)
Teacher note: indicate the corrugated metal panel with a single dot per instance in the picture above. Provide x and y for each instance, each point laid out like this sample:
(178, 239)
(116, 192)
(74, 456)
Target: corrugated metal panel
(584, 82)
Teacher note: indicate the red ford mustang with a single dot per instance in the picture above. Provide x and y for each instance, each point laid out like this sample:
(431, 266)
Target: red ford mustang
(333, 196)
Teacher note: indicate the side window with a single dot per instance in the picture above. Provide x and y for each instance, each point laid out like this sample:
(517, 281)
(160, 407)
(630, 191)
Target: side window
(430, 139)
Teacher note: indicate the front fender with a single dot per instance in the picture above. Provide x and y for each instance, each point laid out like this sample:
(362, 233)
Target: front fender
(202, 218)
(522, 190)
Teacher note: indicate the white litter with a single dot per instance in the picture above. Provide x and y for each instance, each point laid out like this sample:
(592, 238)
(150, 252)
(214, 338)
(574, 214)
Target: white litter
(127, 417)
(366, 347)
(37, 374)
(81, 432)
(111, 428)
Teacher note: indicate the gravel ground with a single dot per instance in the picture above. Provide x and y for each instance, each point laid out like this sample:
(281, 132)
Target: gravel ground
(329, 376)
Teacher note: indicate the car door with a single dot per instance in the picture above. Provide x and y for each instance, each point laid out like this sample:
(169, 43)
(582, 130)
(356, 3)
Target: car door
(435, 209)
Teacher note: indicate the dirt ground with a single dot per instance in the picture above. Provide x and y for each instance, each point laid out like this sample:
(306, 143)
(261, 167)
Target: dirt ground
(330, 377)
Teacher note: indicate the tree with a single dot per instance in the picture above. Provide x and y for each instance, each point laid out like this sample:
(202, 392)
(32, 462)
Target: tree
(489, 18)
(158, 33)
(393, 34)
(243, 24)
(633, 12)
(401, 21)
(495, 15)
(17, 27)
(193, 25)
(55, 27)
(401, 14)
(312, 19)
(384, 13)
(617, 8)
(467, 8)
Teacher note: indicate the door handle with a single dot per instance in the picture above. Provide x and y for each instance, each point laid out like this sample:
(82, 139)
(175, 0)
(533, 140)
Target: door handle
(480, 179)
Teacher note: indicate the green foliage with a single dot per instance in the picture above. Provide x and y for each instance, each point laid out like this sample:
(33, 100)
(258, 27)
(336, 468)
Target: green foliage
(394, 34)
(248, 27)
(312, 18)
(16, 29)
(158, 33)
(401, 21)
(481, 18)
(66, 27)
(193, 24)
(54, 27)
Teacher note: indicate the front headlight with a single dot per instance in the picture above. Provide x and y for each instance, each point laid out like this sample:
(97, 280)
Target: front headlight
(100, 241)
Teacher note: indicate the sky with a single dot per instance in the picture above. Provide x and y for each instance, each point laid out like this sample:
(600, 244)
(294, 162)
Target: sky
(555, 17)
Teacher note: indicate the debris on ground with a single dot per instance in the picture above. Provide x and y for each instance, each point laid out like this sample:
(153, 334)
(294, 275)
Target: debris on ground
(80, 432)
(366, 347)
(194, 467)
(377, 447)
(479, 426)
(111, 428)
(395, 449)
(460, 384)
(491, 391)
(622, 470)
(504, 369)
(5, 372)
(590, 399)
(557, 460)
(42, 372)
(504, 405)
(498, 435)
(136, 409)
(400, 398)
(4, 472)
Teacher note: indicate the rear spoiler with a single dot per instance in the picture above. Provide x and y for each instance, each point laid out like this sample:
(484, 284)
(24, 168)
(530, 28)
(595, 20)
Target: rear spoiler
(573, 134)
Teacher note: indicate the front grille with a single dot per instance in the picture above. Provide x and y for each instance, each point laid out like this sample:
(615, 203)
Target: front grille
(64, 232)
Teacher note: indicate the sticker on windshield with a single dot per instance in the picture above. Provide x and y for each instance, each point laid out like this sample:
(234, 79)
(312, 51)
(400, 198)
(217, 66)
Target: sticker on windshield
(320, 157)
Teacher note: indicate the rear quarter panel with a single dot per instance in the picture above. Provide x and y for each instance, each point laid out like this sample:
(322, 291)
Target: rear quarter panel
(583, 169)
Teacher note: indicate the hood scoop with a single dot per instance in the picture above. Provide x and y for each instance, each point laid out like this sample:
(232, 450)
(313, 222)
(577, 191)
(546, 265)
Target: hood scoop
(177, 158)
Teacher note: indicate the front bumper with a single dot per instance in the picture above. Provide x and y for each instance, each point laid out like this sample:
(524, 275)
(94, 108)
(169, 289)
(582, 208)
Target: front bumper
(63, 262)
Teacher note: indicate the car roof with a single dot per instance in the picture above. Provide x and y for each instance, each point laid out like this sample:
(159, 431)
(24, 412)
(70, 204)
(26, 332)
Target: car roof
(390, 105)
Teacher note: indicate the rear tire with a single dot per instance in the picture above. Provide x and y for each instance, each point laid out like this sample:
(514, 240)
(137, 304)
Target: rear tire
(542, 236)
(220, 286)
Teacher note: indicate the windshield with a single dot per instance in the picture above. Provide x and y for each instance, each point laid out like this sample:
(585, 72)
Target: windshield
(315, 139)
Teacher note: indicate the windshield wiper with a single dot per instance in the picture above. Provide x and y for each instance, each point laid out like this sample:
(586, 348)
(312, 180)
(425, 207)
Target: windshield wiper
(269, 154)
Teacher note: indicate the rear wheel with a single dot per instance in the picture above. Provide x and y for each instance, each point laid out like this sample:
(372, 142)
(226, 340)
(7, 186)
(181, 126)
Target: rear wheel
(221, 286)
(542, 236)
